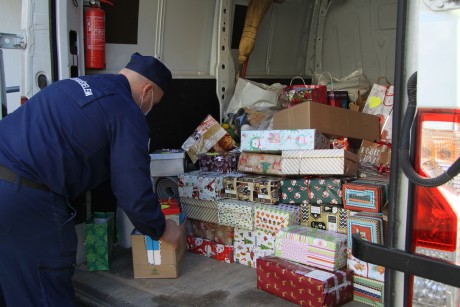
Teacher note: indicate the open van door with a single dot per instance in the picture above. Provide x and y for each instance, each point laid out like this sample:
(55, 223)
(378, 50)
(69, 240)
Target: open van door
(55, 40)
(12, 42)
(423, 236)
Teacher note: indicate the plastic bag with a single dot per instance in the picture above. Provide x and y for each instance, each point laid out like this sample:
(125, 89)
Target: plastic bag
(354, 83)
(250, 119)
(250, 94)
(335, 97)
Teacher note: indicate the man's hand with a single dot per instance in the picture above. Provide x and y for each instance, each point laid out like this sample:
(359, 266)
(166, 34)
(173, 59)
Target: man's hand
(172, 232)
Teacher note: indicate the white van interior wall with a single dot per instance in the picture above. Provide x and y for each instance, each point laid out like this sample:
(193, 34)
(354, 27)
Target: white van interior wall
(357, 35)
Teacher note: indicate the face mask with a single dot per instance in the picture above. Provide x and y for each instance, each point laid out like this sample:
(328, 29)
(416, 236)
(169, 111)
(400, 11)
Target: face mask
(151, 105)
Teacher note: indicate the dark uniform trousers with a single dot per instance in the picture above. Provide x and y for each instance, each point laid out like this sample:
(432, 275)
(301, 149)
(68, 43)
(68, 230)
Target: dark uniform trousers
(38, 246)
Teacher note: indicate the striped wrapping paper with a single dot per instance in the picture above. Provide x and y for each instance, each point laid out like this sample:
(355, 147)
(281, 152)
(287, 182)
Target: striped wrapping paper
(319, 248)
(319, 162)
(236, 213)
(368, 291)
(203, 210)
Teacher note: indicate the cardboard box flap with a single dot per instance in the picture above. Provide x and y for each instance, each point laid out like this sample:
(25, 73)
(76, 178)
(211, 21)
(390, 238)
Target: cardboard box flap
(332, 121)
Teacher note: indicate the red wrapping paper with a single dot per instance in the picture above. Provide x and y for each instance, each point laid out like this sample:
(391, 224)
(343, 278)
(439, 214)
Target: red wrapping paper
(304, 285)
(210, 249)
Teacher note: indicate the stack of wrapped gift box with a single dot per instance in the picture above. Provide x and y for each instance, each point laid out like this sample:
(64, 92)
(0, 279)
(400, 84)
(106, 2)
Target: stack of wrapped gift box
(309, 264)
(283, 206)
(368, 197)
(338, 202)
(200, 192)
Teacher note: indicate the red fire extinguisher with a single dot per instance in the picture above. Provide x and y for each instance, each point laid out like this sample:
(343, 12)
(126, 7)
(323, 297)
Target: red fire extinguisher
(95, 35)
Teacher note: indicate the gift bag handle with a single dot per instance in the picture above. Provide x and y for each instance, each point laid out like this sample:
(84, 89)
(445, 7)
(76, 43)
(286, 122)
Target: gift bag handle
(330, 77)
(297, 77)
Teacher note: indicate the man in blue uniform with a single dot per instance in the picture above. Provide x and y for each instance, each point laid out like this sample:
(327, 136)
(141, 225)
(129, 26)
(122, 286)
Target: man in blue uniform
(68, 138)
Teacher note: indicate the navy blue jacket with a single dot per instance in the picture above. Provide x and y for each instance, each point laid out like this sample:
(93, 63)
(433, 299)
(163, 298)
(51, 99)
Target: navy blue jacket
(77, 133)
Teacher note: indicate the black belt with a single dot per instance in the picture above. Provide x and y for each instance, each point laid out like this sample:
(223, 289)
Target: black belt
(9, 175)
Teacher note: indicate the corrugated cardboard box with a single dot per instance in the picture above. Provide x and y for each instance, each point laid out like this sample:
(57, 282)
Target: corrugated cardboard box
(171, 257)
(332, 121)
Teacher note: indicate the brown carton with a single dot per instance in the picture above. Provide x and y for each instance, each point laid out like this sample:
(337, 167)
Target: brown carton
(332, 121)
(171, 257)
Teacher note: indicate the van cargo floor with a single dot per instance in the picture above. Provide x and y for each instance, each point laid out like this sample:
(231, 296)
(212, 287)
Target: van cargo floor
(202, 282)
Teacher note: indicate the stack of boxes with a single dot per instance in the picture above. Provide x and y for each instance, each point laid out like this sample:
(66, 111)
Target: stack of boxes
(289, 205)
(305, 259)
(368, 200)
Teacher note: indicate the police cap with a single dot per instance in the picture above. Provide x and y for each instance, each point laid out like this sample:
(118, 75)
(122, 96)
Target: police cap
(151, 68)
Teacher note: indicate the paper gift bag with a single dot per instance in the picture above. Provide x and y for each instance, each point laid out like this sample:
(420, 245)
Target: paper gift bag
(375, 154)
(380, 103)
(100, 231)
(295, 94)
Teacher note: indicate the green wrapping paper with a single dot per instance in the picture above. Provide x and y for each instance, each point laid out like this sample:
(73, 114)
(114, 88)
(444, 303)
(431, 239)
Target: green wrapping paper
(294, 191)
(325, 191)
(100, 231)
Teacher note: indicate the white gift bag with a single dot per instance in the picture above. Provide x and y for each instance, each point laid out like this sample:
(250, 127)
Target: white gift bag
(380, 102)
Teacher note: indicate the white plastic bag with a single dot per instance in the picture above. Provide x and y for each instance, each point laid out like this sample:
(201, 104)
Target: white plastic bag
(354, 83)
(254, 95)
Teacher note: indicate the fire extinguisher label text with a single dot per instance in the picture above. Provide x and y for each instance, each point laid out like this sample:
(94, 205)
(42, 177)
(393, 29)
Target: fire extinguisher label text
(96, 33)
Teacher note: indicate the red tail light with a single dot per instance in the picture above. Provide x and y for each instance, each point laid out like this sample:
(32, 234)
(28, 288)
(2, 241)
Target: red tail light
(436, 224)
